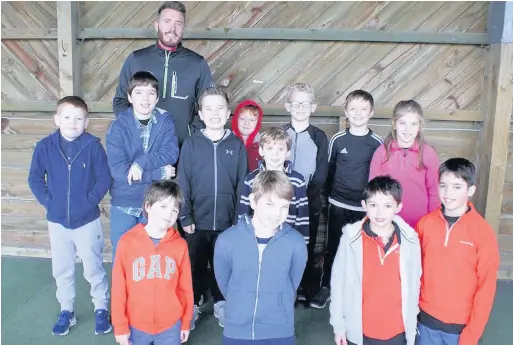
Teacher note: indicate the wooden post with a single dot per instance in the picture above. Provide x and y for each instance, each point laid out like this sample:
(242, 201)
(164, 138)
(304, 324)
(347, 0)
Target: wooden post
(70, 68)
(498, 106)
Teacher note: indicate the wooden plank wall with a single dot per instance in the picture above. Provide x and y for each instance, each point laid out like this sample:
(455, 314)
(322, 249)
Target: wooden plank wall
(442, 77)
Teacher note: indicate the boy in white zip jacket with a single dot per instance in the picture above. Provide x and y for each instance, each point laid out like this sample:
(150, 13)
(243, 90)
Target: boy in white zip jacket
(376, 273)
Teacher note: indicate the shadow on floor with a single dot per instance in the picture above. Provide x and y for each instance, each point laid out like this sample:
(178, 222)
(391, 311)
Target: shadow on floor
(29, 310)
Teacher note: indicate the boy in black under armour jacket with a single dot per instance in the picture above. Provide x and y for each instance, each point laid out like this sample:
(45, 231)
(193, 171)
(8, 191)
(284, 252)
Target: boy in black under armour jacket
(350, 154)
(309, 157)
(211, 170)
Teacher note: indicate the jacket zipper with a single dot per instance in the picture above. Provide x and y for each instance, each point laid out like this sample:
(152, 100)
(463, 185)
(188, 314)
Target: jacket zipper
(295, 151)
(158, 130)
(68, 217)
(448, 231)
(166, 64)
(215, 185)
(260, 259)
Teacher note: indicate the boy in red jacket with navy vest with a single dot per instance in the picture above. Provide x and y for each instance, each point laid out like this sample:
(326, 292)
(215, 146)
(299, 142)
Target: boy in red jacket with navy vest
(460, 260)
(246, 123)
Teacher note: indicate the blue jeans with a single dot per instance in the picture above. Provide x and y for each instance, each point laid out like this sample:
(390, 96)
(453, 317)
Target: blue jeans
(120, 223)
(170, 336)
(428, 336)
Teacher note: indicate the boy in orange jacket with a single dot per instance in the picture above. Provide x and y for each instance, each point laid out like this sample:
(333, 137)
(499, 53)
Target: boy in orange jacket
(460, 260)
(152, 299)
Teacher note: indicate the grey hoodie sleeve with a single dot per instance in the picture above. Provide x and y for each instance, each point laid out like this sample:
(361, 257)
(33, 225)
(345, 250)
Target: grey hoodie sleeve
(298, 264)
(338, 276)
(120, 101)
(222, 264)
(416, 263)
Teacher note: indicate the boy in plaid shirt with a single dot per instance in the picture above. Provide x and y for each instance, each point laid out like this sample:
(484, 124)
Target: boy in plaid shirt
(141, 148)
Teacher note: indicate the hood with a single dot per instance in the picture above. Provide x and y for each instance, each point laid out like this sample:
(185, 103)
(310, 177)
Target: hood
(235, 121)
(171, 235)
(82, 141)
(245, 223)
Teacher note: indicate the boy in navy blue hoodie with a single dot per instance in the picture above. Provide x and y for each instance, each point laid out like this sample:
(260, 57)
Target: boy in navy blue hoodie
(69, 176)
(258, 264)
(141, 148)
(211, 171)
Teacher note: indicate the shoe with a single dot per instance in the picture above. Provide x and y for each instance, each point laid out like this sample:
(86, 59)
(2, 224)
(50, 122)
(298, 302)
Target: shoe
(321, 300)
(64, 322)
(103, 325)
(219, 312)
(195, 317)
(301, 295)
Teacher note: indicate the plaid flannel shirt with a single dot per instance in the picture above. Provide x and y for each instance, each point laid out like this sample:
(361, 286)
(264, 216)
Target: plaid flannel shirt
(144, 132)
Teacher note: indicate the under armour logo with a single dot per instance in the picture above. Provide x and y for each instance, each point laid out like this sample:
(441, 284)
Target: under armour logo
(229, 152)
(343, 150)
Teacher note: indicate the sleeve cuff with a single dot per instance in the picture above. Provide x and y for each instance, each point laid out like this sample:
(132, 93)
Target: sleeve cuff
(186, 325)
(162, 173)
(121, 329)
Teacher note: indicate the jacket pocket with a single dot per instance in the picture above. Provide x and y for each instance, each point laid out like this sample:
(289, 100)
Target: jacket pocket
(239, 308)
(225, 209)
(272, 309)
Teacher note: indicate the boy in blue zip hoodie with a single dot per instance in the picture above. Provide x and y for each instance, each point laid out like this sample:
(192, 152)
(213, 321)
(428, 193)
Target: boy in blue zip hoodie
(141, 148)
(275, 149)
(211, 171)
(258, 264)
(69, 176)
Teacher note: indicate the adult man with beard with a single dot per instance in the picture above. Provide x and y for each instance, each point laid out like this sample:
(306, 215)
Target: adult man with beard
(182, 73)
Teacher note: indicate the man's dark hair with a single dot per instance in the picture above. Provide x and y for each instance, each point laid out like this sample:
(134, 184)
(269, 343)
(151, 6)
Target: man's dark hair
(173, 5)
(360, 94)
(75, 101)
(143, 78)
(461, 168)
(384, 185)
(161, 190)
(213, 91)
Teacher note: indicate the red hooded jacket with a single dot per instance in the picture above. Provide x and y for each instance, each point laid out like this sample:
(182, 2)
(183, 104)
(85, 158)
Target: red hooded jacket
(252, 144)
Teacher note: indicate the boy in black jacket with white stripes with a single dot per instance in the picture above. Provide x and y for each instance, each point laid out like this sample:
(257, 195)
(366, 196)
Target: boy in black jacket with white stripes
(211, 171)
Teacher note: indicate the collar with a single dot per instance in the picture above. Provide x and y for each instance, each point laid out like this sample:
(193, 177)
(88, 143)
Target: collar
(470, 208)
(287, 166)
(170, 49)
(152, 119)
(367, 229)
(413, 148)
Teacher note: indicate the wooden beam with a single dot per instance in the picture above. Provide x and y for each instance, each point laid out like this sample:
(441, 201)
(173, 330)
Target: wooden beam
(267, 34)
(494, 140)
(29, 34)
(70, 68)
(269, 109)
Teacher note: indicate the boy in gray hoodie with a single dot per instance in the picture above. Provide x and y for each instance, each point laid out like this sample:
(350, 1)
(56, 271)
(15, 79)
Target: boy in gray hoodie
(375, 279)
(258, 264)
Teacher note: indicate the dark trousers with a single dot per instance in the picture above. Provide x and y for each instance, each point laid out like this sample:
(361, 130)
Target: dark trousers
(309, 284)
(399, 339)
(338, 217)
(201, 252)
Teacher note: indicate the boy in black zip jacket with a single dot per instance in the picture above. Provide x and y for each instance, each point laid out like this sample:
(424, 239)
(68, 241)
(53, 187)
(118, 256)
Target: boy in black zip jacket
(309, 156)
(211, 170)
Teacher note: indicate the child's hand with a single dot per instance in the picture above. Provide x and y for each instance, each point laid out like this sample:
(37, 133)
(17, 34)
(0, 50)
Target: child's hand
(184, 336)
(123, 339)
(170, 171)
(189, 229)
(340, 339)
(134, 174)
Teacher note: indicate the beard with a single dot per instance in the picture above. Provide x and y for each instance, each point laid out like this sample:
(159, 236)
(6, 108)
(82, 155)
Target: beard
(171, 40)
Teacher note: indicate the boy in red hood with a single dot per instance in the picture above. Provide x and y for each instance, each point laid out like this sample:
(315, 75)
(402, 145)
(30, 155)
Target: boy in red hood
(246, 123)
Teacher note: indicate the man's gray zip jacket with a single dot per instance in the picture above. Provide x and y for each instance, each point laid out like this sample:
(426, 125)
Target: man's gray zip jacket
(346, 282)
(211, 176)
(259, 295)
(182, 75)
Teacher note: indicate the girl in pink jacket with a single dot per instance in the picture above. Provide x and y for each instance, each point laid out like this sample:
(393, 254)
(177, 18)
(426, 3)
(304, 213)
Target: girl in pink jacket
(405, 156)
